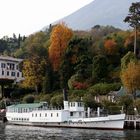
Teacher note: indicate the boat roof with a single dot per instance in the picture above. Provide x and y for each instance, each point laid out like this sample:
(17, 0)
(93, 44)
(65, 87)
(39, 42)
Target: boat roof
(29, 105)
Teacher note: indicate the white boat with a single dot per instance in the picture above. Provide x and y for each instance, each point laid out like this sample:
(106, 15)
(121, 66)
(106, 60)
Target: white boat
(73, 115)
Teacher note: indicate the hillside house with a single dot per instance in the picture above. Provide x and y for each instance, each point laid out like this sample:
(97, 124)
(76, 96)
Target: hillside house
(9, 69)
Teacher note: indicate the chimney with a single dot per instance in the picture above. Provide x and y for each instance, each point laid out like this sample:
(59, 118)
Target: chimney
(66, 104)
(65, 95)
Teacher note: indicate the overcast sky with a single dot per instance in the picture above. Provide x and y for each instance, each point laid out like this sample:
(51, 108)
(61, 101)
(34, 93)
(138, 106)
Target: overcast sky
(28, 16)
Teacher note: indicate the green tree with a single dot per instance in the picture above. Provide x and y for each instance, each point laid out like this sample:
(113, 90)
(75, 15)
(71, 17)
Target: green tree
(79, 56)
(126, 101)
(89, 101)
(65, 73)
(137, 104)
(133, 19)
(34, 67)
(100, 65)
(35, 45)
(48, 79)
(129, 57)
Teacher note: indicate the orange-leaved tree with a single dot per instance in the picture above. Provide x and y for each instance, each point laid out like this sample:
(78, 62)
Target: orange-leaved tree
(131, 77)
(110, 46)
(60, 37)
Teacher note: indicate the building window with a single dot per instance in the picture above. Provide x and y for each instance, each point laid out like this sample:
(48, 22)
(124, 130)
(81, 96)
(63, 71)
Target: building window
(2, 72)
(2, 65)
(17, 67)
(13, 74)
(17, 74)
(10, 66)
(7, 73)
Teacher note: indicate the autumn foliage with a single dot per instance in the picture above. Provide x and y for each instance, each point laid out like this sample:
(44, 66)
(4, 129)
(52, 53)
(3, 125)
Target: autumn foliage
(33, 71)
(80, 85)
(59, 39)
(110, 46)
(131, 77)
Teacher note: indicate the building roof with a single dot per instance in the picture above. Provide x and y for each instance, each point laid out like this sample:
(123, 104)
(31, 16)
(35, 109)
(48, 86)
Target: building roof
(123, 91)
(7, 58)
(30, 105)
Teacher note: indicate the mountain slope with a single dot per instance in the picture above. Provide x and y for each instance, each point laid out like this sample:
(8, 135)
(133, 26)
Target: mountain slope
(100, 12)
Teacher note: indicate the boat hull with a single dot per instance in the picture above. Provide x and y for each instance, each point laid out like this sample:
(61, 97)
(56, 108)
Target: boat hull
(111, 125)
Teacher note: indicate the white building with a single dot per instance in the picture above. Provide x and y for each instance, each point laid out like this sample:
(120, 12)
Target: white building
(9, 69)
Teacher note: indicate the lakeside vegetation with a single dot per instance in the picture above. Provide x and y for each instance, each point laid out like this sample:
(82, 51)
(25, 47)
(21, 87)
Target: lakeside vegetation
(85, 63)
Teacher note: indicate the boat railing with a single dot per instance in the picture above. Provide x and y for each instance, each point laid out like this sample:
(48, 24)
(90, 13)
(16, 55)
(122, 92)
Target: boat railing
(95, 114)
(132, 117)
(48, 108)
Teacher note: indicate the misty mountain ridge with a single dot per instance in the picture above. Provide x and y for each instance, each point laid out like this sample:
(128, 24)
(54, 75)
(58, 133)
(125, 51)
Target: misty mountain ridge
(99, 12)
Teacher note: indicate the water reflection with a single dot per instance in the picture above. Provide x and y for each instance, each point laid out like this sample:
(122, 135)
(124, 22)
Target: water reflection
(12, 132)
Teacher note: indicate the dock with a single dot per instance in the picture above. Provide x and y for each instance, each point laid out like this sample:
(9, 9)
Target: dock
(132, 122)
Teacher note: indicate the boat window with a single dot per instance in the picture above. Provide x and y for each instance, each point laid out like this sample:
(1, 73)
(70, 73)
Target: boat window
(72, 104)
(45, 114)
(79, 104)
(36, 114)
(71, 113)
(51, 114)
(32, 115)
(40, 114)
(57, 114)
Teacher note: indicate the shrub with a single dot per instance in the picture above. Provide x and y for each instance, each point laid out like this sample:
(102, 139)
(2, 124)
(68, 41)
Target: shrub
(57, 100)
(29, 98)
(104, 88)
(46, 98)
(89, 101)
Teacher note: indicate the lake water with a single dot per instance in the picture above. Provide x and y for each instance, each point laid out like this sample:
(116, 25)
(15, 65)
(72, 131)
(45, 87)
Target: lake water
(12, 132)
